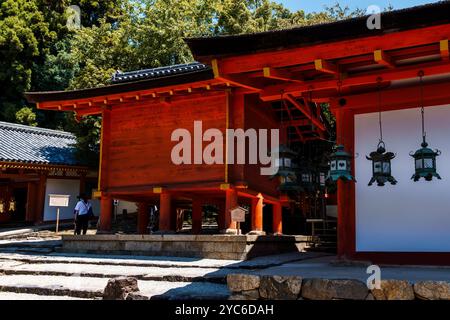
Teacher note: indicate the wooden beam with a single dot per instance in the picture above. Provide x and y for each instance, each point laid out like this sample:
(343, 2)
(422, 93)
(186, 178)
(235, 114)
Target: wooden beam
(306, 112)
(383, 58)
(236, 81)
(395, 98)
(325, 66)
(443, 47)
(337, 50)
(297, 130)
(297, 123)
(271, 73)
(272, 93)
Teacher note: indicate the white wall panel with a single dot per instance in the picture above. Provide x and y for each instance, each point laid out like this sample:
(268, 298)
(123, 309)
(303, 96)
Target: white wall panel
(410, 216)
(61, 186)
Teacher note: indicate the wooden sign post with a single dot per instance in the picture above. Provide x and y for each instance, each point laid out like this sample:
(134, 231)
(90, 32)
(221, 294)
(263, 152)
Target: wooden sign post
(58, 201)
(238, 215)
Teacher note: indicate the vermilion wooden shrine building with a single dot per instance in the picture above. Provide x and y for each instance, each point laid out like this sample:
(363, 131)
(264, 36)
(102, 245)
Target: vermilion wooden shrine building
(357, 71)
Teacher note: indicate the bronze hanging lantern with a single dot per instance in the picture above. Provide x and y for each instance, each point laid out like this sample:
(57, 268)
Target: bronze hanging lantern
(340, 165)
(381, 160)
(340, 160)
(381, 166)
(424, 158)
(286, 170)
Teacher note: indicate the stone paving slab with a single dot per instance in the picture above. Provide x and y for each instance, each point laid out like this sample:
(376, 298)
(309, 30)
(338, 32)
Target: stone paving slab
(90, 287)
(324, 268)
(160, 261)
(11, 267)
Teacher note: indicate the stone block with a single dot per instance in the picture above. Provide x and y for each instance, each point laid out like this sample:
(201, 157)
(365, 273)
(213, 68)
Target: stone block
(394, 290)
(280, 287)
(171, 246)
(119, 288)
(432, 290)
(209, 246)
(324, 289)
(142, 246)
(238, 282)
(223, 247)
(250, 294)
(239, 247)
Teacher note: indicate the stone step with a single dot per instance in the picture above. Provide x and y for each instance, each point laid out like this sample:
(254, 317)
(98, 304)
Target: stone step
(160, 261)
(26, 250)
(38, 246)
(27, 296)
(30, 243)
(11, 267)
(92, 287)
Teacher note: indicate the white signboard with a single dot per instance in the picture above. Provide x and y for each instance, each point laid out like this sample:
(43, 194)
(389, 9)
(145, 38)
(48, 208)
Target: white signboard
(59, 200)
(238, 214)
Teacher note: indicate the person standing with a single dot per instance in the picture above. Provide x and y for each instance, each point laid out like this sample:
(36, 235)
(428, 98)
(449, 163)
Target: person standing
(83, 212)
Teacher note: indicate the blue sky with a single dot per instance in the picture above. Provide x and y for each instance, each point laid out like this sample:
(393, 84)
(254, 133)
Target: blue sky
(318, 5)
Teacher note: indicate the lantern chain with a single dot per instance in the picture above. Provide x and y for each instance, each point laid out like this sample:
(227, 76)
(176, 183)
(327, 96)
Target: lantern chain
(379, 110)
(422, 109)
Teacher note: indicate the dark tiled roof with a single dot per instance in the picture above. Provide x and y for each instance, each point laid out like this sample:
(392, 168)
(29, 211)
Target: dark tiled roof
(156, 73)
(19, 143)
(393, 21)
(133, 81)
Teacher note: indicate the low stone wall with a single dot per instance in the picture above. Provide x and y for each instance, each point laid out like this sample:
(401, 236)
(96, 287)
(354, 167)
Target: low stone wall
(229, 247)
(255, 287)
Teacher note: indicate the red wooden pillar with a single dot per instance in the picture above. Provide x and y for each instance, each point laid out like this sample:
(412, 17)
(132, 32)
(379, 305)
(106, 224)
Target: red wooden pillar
(346, 230)
(231, 201)
(197, 212)
(165, 212)
(257, 214)
(106, 209)
(143, 218)
(277, 218)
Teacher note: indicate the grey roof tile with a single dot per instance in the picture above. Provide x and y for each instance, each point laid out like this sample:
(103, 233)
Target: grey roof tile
(156, 73)
(19, 143)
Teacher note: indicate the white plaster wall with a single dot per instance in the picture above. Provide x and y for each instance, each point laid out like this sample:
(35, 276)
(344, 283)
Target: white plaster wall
(61, 186)
(129, 206)
(410, 216)
(95, 206)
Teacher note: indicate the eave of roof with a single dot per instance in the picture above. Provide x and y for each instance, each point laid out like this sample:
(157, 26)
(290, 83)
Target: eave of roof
(126, 83)
(393, 21)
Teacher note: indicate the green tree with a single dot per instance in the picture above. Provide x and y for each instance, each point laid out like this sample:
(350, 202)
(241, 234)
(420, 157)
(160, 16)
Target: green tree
(26, 116)
(24, 35)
